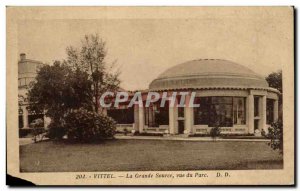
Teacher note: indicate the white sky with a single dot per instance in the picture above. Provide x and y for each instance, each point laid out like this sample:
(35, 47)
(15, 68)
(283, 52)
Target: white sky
(144, 48)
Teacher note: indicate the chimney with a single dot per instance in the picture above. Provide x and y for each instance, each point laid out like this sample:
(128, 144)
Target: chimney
(22, 56)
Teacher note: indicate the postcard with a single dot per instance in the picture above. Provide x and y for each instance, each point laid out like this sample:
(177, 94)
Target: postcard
(120, 96)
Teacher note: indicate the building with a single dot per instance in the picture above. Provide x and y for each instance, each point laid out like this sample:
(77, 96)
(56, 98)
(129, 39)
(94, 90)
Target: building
(27, 71)
(230, 96)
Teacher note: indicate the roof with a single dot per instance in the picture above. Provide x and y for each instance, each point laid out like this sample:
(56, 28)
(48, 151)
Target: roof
(206, 73)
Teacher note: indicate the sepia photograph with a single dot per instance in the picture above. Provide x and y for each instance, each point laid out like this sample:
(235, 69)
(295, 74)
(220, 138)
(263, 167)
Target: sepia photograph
(150, 95)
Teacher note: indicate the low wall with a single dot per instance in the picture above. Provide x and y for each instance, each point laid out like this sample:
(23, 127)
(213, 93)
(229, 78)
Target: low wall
(122, 127)
(237, 129)
(161, 129)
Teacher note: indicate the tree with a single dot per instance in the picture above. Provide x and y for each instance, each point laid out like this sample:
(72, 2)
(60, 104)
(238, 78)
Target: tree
(90, 58)
(57, 90)
(275, 133)
(275, 80)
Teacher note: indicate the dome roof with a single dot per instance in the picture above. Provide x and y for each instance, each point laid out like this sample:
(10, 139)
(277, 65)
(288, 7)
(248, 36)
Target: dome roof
(208, 73)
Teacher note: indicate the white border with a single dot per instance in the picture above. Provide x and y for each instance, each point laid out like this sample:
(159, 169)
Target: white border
(5, 3)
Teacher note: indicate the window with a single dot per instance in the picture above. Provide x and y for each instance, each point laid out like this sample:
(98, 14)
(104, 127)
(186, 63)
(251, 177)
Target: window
(239, 110)
(201, 114)
(122, 116)
(179, 108)
(270, 111)
(21, 121)
(20, 111)
(156, 115)
(256, 124)
(181, 112)
(21, 81)
(256, 106)
(222, 111)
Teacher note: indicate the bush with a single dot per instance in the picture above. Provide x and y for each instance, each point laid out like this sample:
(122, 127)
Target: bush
(37, 127)
(84, 126)
(37, 123)
(263, 133)
(275, 133)
(55, 130)
(215, 132)
(126, 131)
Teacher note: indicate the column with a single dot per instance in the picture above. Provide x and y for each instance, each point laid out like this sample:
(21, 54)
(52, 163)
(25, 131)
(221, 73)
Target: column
(171, 118)
(263, 120)
(141, 119)
(175, 117)
(136, 117)
(250, 114)
(25, 117)
(150, 116)
(192, 120)
(275, 112)
(188, 114)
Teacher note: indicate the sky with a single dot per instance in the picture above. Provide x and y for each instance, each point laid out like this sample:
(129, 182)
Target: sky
(145, 47)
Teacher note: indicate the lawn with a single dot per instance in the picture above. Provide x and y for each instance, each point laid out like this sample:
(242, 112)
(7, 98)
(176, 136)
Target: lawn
(135, 155)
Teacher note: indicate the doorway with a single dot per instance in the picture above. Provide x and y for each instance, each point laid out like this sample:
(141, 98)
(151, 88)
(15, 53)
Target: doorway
(180, 120)
(180, 126)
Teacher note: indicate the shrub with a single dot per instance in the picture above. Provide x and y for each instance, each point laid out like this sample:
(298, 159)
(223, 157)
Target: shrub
(136, 133)
(55, 130)
(37, 123)
(263, 133)
(38, 129)
(85, 126)
(126, 131)
(275, 133)
(215, 132)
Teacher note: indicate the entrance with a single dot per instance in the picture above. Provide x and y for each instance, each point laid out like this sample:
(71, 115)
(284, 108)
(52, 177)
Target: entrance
(180, 126)
(180, 120)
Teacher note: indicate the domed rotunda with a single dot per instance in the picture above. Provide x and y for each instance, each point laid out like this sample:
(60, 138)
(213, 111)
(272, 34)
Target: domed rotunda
(229, 95)
(208, 73)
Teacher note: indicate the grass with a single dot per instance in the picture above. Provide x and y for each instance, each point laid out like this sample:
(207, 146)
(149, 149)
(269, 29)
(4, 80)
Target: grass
(147, 155)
